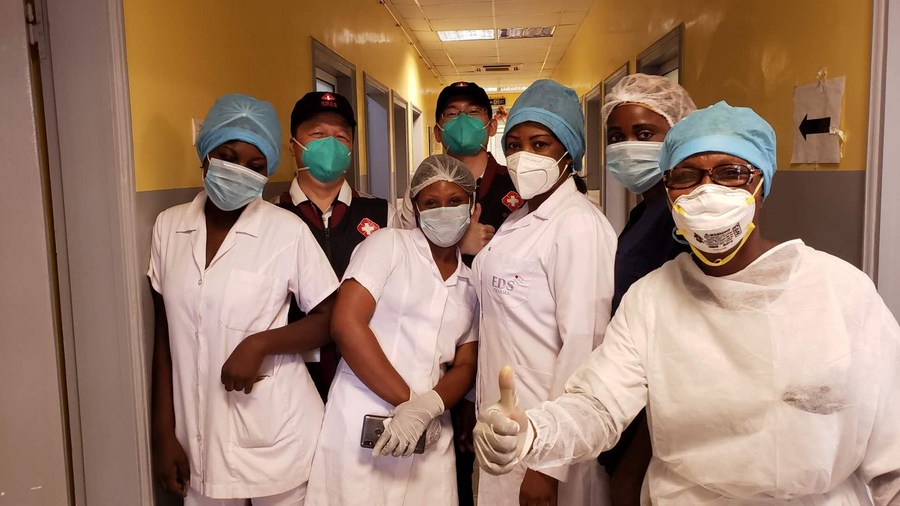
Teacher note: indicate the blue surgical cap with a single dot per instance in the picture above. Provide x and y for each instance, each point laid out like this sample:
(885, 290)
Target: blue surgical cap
(735, 131)
(238, 117)
(557, 108)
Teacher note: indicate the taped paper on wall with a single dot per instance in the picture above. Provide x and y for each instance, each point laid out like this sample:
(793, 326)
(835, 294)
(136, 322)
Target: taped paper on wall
(817, 131)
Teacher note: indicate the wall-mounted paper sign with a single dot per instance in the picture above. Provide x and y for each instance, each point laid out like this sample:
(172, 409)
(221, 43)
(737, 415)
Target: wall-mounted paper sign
(817, 131)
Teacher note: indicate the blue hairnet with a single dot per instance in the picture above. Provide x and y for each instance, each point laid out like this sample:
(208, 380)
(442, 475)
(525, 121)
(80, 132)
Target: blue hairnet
(557, 108)
(720, 128)
(236, 117)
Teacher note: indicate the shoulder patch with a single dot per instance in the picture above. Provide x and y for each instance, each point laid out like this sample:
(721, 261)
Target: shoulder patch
(512, 201)
(367, 227)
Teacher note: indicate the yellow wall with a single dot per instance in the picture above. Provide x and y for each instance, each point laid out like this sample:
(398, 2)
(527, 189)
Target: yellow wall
(184, 54)
(749, 53)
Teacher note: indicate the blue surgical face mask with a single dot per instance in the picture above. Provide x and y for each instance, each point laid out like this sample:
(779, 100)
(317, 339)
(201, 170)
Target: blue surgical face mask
(231, 186)
(635, 164)
(445, 226)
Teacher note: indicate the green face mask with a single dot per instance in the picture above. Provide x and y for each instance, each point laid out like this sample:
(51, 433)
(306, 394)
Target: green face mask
(326, 159)
(464, 135)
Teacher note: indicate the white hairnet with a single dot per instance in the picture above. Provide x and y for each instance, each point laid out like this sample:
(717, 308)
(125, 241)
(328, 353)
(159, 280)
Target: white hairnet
(659, 94)
(441, 168)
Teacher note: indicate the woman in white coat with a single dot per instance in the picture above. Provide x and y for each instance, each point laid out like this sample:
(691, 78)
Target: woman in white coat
(407, 332)
(770, 372)
(545, 285)
(235, 413)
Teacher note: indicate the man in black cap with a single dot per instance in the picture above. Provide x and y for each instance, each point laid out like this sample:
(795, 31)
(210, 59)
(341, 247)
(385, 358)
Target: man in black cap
(463, 124)
(322, 130)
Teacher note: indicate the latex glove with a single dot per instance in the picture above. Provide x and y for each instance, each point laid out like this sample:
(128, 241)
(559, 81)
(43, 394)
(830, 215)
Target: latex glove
(408, 421)
(503, 433)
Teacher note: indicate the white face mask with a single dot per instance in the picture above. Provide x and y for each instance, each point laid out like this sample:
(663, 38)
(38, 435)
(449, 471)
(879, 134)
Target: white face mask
(445, 226)
(533, 174)
(715, 219)
(635, 164)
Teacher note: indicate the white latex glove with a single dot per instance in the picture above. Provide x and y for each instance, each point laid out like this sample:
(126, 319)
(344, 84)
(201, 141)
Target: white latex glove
(408, 421)
(503, 434)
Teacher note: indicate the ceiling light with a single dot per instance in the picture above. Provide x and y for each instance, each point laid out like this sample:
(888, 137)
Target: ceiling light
(455, 35)
(513, 88)
(535, 32)
(490, 89)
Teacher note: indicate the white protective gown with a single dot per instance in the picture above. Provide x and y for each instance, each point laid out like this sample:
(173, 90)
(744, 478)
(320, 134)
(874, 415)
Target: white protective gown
(419, 321)
(779, 384)
(545, 285)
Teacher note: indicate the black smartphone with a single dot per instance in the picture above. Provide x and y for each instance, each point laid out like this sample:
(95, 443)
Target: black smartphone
(373, 427)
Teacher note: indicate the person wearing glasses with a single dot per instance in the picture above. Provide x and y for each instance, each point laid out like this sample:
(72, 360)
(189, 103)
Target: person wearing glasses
(638, 112)
(770, 372)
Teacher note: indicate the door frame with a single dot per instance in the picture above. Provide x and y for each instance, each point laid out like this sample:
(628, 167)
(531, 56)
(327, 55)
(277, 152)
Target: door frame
(102, 278)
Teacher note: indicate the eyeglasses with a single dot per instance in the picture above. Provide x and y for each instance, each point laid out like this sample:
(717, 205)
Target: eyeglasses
(732, 174)
(471, 111)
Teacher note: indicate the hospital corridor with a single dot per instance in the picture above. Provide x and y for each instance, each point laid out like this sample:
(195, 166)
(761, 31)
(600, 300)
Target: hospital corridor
(450, 253)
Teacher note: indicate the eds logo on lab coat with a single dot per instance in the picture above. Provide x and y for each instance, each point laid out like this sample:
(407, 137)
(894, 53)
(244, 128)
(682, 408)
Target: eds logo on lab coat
(506, 286)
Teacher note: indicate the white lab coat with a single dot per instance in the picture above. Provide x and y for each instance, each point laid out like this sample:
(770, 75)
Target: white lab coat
(545, 285)
(239, 445)
(420, 319)
(779, 384)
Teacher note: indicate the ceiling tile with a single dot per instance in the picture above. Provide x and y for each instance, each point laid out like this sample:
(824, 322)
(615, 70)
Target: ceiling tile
(453, 2)
(417, 24)
(426, 37)
(572, 18)
(565, 31)
(528, 20)
(542, 7)
(408, 12)
(482, 10)
(462, 23)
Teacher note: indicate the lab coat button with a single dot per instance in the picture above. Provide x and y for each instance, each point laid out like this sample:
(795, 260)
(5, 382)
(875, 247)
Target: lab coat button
(200, 281)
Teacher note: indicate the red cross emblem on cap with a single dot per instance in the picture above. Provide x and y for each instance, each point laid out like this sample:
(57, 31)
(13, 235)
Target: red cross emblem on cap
(367, 227)
(461, 84)
(329, 100)
(512, 200)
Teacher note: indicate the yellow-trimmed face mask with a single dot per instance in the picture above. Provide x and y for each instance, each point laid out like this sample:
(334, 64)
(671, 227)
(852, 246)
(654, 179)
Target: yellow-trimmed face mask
(715, 219)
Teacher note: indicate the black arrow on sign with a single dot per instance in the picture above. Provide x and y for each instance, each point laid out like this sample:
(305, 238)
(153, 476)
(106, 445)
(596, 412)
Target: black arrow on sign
(814, 126)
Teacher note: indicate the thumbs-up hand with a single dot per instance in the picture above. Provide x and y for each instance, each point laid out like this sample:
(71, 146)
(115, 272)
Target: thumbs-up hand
(502, 430)
(477, 235)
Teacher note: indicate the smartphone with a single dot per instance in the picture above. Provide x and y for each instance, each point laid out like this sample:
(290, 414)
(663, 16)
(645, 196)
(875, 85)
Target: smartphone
(373, 427)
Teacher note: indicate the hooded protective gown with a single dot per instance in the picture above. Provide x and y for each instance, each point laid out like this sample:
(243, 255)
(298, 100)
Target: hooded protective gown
(779, 384)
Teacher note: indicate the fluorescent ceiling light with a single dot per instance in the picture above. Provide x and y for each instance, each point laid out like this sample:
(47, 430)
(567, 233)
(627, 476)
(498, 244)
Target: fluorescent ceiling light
(534, 32)
(455, 35)
(490, 89)
(513, 88)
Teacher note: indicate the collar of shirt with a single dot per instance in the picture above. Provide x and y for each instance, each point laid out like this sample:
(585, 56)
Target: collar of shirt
(490, 170)
(522, 218)
(248, 223)
(345, 196)
(424, 249)
(298, 197)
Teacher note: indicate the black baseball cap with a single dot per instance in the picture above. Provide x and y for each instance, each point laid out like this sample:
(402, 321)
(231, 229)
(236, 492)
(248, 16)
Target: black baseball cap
(470, 91)
(316, 102)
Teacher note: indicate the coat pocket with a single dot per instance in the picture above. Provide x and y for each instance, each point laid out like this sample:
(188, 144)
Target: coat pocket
(249, 303)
